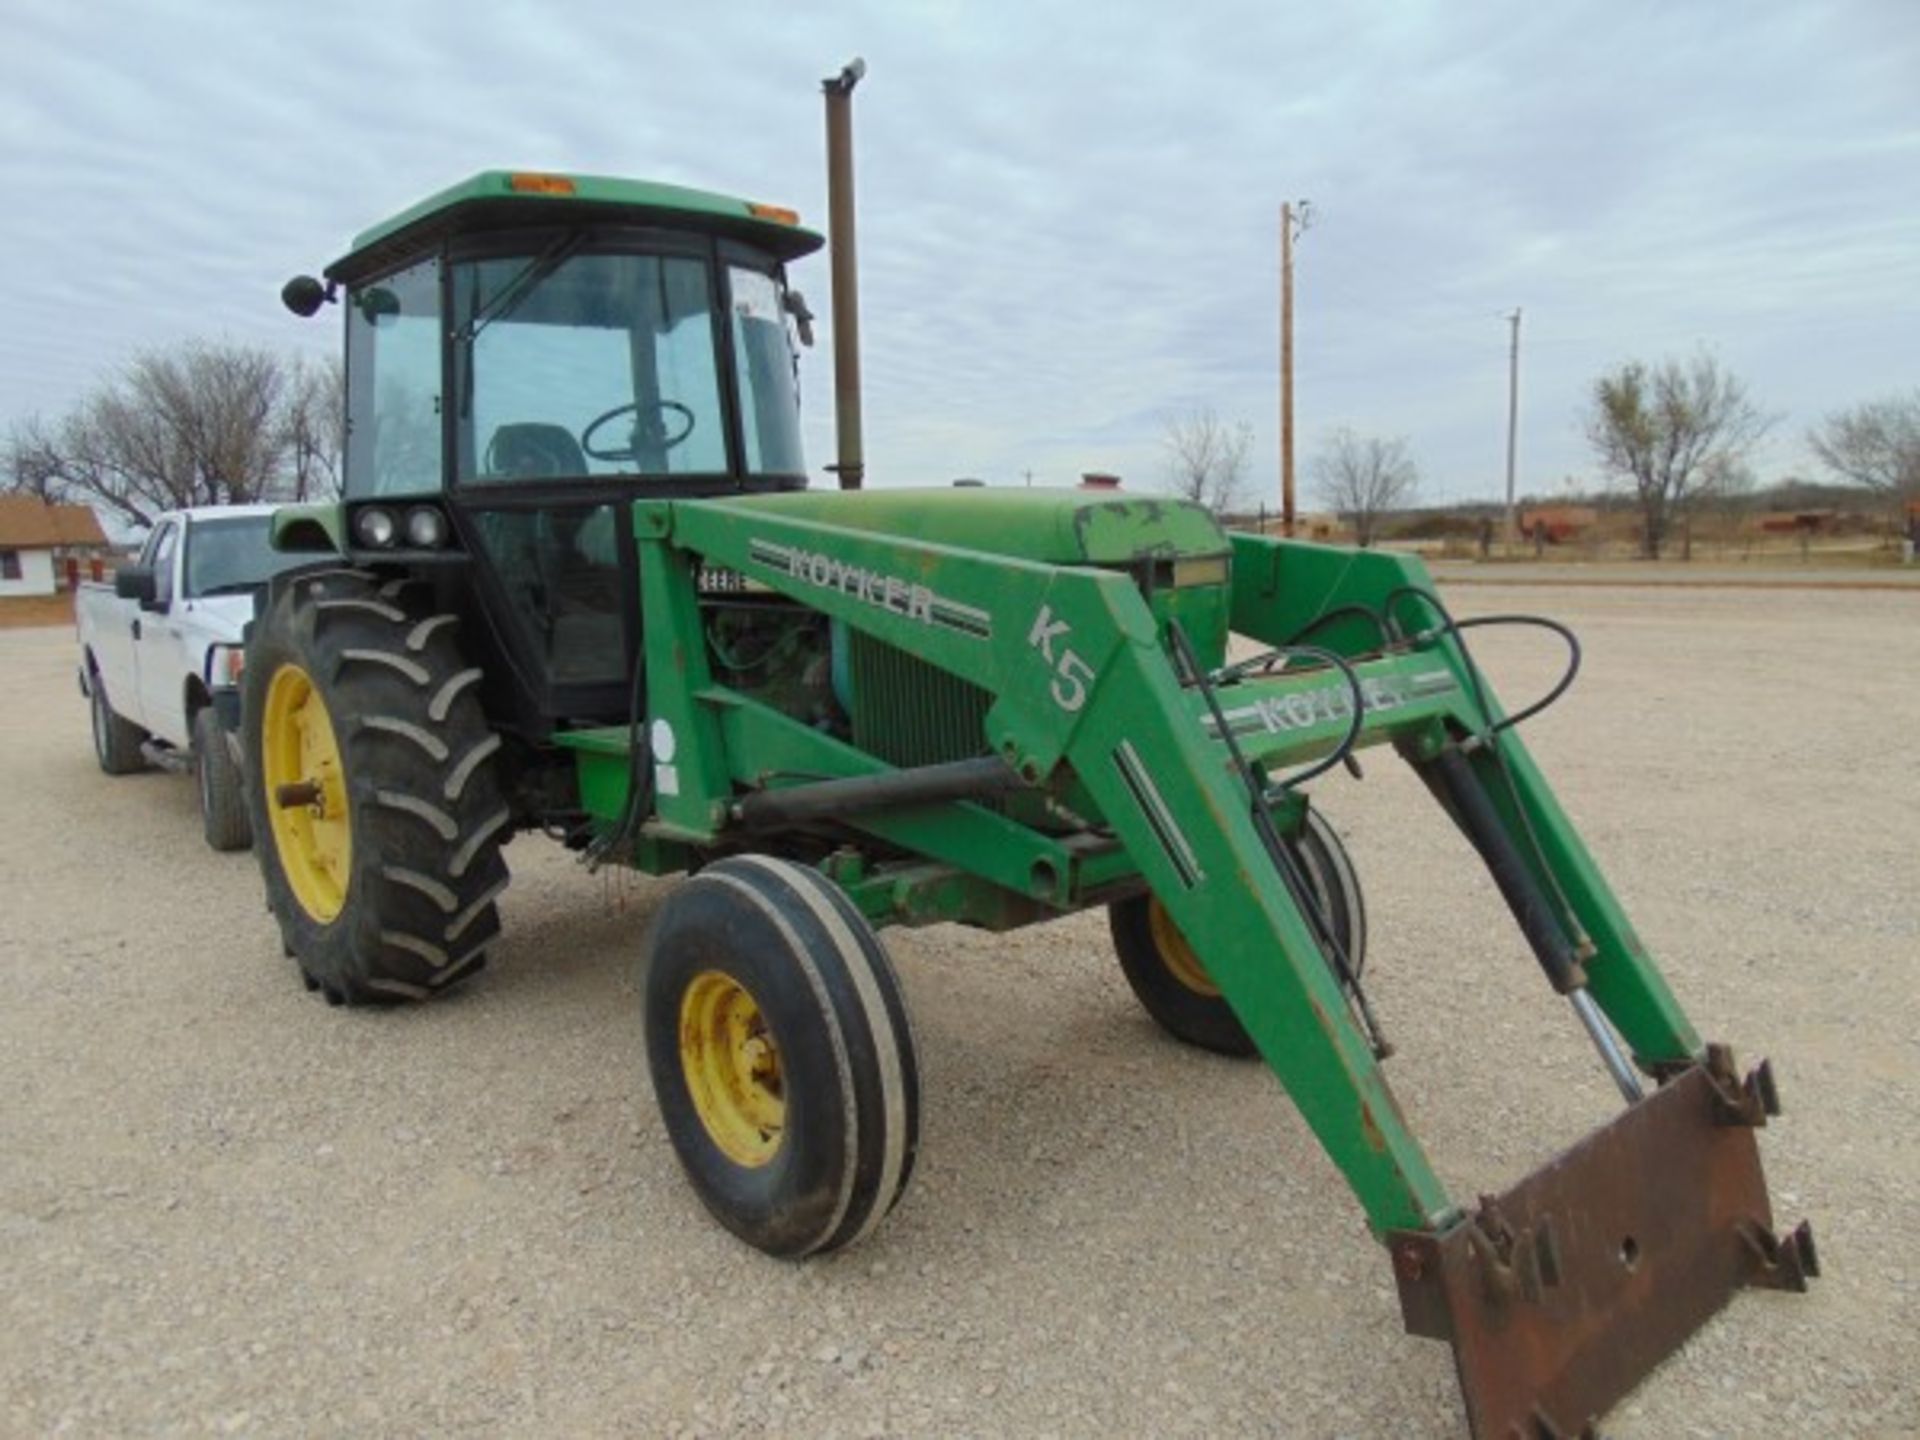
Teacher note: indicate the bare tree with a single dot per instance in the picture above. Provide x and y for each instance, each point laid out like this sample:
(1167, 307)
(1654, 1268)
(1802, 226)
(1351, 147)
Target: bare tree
(30, 462)
(314, 430)
(1663, 427)
(1724, 491)
(1363, 477)
(1876, 444)
(1207, 458)
(199, 424)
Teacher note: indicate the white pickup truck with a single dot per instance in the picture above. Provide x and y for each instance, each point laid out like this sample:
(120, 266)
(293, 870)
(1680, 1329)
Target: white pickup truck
(160, 654)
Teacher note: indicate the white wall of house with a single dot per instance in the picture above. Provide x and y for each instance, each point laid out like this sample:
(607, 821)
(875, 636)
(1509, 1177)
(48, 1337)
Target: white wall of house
(36, 574)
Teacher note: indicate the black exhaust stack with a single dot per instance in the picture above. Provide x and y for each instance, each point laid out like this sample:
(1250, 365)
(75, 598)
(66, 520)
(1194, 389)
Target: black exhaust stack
(851, 465)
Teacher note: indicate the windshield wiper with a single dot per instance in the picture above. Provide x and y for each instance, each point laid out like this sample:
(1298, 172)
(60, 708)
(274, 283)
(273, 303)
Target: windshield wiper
(514, 293)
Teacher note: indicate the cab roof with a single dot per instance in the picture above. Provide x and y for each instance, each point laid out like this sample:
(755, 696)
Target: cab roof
(496, 199)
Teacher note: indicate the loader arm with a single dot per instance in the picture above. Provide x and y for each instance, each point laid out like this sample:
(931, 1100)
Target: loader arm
(1281, 589)
(1084, 681)
(1542, 1291)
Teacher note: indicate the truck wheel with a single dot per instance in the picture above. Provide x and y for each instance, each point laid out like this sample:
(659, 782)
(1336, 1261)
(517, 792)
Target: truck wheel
(1169, 979)
(781, 1055)
(223, 799)
(370, 784)
(116, 742)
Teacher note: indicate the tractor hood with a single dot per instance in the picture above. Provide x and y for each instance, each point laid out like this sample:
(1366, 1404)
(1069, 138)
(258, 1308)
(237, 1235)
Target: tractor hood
(1051, 527)
(1173, 549)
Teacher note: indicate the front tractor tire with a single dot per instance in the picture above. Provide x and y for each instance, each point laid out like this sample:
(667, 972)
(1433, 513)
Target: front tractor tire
(375, 809)
(1171, 981)
(781, 1055)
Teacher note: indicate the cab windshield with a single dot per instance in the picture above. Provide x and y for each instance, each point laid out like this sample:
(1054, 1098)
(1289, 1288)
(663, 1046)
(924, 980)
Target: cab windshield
(574, 362)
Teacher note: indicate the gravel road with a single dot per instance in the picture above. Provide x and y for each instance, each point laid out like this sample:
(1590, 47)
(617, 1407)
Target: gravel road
(225, 1208)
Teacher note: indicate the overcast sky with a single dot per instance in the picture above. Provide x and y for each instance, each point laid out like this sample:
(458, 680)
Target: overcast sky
(1069, 213)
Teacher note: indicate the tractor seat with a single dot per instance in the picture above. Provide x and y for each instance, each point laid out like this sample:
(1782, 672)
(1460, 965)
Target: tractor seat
(532, 449)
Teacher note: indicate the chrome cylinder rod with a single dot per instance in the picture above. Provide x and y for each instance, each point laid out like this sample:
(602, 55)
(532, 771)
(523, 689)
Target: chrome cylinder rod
(1604, 1040)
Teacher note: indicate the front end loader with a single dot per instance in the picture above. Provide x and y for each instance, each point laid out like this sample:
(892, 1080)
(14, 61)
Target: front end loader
(577, 585)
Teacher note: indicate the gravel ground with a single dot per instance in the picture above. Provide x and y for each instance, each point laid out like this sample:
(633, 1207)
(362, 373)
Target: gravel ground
(226, 1208)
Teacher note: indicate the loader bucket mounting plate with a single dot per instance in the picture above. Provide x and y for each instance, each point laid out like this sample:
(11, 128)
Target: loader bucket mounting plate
(1562, 1293)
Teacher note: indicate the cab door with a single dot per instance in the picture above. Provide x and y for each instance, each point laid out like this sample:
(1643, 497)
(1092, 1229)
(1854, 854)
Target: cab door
(583, 378)
(118, 652)
(157, 642)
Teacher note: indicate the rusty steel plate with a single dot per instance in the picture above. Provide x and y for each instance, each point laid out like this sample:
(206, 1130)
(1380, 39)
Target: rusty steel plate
(1561, 1294)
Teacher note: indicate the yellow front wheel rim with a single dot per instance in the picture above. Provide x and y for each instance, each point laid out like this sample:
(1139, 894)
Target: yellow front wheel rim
(732, 1069)
(301, 758)
(1176, 954)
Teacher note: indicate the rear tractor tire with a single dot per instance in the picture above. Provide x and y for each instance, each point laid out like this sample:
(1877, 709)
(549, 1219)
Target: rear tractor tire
(781, 1055)
(223, 794)
(371, 788)
(1169, 979)
(116, 742)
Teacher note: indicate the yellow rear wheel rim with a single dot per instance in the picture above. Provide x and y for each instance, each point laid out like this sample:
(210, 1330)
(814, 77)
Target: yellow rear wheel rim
(732, 1069)
(1176, 954)
(314, 840)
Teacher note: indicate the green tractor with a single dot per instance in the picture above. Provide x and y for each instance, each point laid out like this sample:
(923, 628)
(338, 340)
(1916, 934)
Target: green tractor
(577, 584)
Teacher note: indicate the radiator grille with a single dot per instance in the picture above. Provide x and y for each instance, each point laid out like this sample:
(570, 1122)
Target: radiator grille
(907, 712)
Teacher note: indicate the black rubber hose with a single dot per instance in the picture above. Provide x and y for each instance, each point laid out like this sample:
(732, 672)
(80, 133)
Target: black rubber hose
(1561, 686)
(1345, 748)
(1292, 876)
(1342, 612)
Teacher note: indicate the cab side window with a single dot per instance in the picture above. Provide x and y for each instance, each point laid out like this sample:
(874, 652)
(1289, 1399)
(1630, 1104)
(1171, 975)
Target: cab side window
(393, 384)
(161, 550)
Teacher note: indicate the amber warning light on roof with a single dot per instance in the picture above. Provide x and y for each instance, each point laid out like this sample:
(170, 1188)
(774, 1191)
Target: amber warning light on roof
(531, 183)
(777, 213)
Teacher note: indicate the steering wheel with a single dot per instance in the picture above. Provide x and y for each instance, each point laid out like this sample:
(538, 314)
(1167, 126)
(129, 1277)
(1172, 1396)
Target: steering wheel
(652, 431)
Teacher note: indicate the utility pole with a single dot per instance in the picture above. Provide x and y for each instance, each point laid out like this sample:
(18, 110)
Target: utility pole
(1286, 359)
(1513, 416)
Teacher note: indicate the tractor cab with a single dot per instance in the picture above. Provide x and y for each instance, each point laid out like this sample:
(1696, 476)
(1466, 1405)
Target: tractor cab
(526, 354)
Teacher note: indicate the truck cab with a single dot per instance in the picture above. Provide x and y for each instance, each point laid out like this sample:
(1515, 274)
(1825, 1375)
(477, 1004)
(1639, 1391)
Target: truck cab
(163, 640)
(528, 353)
(161, 653)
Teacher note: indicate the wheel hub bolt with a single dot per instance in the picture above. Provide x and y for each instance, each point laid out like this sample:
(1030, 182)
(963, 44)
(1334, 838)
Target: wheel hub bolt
(297, 795)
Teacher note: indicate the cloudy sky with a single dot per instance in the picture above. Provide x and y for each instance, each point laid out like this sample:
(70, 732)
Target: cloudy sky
(1069, 213)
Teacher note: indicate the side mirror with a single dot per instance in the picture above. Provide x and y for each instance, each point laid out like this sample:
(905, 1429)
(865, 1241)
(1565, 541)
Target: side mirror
(304, 296)
(377, 304)
(802, 317)
(136, 582)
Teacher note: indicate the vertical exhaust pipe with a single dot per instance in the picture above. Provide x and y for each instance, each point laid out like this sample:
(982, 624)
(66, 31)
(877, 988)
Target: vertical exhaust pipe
(851, 466)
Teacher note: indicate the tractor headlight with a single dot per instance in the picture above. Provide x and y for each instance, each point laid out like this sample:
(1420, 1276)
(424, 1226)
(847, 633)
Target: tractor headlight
(426, 528)
(375, 527)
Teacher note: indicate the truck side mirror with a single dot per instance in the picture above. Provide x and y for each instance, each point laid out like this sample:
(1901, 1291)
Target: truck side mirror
(136, 582)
